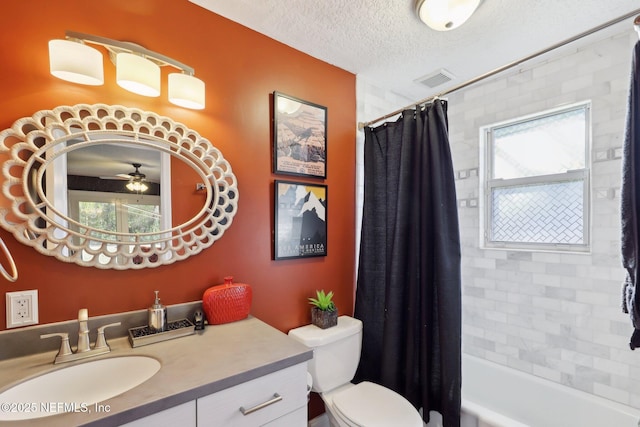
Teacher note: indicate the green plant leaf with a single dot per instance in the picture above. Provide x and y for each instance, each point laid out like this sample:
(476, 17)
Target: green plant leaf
(323, 301)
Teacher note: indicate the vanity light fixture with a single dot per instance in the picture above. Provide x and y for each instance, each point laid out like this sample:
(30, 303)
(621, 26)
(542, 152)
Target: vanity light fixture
(445, 15)
(137, 68)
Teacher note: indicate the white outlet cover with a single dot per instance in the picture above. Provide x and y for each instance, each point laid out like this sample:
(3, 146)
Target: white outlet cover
(14, 321)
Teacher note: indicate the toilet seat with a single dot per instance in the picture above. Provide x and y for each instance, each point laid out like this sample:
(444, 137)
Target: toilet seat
(371, 405)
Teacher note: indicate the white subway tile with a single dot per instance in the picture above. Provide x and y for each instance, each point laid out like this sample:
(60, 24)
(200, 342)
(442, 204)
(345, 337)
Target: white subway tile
(610, 366)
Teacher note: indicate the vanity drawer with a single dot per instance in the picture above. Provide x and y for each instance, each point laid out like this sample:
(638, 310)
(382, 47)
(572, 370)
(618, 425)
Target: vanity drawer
(263, 400)
(182, 415)
(296, 418)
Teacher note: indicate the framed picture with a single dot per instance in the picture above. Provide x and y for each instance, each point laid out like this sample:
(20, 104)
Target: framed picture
(300, 220)
(299, 137)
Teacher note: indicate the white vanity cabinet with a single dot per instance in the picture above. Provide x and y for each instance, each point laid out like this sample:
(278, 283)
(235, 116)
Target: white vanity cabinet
(274, 400)
(254, 387)
(278, 399)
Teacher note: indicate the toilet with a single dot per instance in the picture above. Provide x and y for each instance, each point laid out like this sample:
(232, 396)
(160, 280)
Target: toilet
(336, 354)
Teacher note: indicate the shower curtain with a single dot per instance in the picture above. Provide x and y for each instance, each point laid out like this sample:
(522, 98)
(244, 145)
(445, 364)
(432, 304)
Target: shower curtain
(630, 202)
(408, 294)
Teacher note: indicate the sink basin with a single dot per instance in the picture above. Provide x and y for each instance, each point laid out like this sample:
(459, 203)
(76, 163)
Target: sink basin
(75, 388)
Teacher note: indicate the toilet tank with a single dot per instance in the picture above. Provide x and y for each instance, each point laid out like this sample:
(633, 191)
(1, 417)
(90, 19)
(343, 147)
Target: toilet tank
(336, 352)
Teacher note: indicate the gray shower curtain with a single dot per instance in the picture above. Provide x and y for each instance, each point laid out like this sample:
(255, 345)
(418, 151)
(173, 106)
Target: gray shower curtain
(408, 294)
(630, 202)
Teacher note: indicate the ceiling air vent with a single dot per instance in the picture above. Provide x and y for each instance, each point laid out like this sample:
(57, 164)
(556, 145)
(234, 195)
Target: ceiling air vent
(436, 78)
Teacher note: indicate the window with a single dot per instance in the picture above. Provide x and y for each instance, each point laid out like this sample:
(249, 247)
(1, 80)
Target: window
(115, 212)
(536, 181)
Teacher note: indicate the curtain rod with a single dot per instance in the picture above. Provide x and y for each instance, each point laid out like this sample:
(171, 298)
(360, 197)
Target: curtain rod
(507, 66)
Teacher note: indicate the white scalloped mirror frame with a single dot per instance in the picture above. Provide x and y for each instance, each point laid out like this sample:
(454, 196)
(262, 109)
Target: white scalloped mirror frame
(34, 143)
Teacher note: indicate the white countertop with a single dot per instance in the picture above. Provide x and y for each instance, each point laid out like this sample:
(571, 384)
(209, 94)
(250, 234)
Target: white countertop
(219, 357)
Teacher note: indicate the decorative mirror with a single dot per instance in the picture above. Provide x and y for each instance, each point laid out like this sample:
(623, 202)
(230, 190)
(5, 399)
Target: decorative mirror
(67, 202)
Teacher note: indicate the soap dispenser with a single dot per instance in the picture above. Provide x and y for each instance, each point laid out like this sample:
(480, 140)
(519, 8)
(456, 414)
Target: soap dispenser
(157, 315)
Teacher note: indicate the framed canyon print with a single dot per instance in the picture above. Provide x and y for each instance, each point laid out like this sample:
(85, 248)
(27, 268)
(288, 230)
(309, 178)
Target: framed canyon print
(299, 137)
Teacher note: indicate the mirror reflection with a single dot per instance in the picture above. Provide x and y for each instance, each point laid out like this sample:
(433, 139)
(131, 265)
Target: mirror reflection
(117, 188)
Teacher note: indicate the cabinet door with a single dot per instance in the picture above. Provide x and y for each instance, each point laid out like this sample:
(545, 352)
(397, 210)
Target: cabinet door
(256, 402)
(182, 415)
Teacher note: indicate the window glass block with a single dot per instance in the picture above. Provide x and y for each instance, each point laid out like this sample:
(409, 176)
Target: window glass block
(543, 146)
(541, 213)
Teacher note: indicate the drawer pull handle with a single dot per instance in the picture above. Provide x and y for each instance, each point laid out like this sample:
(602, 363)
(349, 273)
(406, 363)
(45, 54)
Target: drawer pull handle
(275, 399)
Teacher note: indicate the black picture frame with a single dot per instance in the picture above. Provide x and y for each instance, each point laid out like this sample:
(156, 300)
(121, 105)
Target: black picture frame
(299, 137)
(300, 217)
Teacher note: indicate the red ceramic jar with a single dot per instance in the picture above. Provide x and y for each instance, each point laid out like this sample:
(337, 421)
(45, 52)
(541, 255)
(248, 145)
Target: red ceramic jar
(227, 302)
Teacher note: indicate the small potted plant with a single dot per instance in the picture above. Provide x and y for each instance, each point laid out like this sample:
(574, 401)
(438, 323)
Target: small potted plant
(324, 313)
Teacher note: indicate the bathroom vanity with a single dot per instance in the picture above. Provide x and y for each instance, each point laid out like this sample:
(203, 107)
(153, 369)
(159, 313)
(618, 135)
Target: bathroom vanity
(244, 373)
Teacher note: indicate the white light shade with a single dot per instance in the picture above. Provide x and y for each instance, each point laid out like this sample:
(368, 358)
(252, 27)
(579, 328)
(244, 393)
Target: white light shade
(137, 74)
(186, 91)
(76, 62)
(445, 15)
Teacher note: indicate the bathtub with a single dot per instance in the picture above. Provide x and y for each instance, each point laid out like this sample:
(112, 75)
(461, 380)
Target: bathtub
(494, 395)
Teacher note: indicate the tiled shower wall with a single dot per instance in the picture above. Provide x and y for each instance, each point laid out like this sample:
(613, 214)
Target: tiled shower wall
(553, 315)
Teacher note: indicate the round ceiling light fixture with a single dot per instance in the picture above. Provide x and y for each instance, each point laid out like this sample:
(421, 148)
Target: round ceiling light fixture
(445, 15)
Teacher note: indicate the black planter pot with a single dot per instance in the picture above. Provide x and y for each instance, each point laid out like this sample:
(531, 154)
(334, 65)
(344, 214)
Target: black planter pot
(324, 319)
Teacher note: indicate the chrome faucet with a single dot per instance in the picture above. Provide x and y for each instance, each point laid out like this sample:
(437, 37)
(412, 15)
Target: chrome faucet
(84, 350)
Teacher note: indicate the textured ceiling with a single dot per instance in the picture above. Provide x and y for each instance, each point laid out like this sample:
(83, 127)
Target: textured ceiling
(385, 43)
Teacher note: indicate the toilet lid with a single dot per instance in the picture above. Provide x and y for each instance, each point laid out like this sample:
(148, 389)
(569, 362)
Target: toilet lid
(371, 405)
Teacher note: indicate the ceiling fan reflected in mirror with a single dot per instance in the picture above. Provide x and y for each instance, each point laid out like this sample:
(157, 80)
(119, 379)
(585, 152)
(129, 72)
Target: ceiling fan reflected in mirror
(136, 179)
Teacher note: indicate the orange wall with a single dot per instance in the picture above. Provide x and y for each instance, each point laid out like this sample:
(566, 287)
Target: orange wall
(241, 69)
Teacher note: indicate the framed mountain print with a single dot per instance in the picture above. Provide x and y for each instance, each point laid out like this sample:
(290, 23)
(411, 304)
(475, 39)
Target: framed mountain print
(300, 218)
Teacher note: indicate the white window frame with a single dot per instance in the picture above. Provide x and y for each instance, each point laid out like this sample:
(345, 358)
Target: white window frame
(487, 184)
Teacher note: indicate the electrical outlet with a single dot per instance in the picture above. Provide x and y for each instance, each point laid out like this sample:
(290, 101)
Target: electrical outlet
(22, 308)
